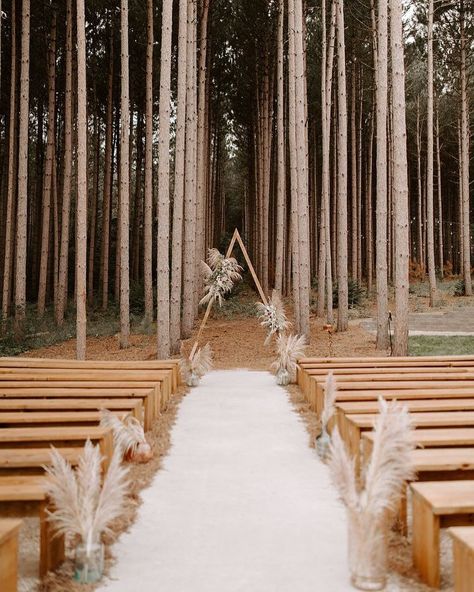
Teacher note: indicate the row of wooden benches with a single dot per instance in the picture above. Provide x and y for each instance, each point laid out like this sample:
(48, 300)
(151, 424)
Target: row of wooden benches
(58, 402)
(439, 393)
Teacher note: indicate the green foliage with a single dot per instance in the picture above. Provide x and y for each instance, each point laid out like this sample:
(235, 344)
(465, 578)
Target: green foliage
(459, 288)
(357, 294)
(441, 346)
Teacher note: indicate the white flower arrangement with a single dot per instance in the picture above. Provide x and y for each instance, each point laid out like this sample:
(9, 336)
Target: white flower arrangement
(195, 368)
(220, 275)
(272, 316)
(129, 436)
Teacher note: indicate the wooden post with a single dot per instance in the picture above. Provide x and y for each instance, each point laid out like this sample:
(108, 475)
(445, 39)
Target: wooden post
(235, 238)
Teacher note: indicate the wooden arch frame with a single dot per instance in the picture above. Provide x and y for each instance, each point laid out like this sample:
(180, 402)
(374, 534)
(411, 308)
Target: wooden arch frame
(236, 238)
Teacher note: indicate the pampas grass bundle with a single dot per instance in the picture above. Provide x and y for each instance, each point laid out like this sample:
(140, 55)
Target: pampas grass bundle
(272, 316)
(84, 505)
(220, 275)
(129, 436)
(323, 440)
(289, 348)
(378, 495)
(195, 368)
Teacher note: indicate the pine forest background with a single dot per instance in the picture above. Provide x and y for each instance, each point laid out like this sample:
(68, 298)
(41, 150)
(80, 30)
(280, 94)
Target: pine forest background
(134, 135)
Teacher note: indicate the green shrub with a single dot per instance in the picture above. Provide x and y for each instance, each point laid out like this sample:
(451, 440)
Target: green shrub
(357, 294)
(459, 288)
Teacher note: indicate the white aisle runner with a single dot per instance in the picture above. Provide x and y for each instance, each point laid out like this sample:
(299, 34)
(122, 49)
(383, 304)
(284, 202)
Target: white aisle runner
(241, 503)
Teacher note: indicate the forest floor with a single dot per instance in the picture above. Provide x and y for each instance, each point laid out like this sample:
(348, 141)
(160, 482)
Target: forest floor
(237, 341)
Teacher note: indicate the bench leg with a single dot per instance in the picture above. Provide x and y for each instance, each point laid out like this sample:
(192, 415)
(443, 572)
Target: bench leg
(426, 528)
(51, 545)
(9, 564)
(463, 567)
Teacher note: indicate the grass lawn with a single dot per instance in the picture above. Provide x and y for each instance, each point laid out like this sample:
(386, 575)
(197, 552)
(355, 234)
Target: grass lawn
(438, 345)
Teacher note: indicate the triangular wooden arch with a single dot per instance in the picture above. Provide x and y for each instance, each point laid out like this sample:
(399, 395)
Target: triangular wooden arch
(236, 238)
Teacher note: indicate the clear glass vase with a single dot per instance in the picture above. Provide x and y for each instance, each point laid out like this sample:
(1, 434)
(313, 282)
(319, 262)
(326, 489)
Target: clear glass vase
(283, 377)
(193, 380)
(322, 445)
(367, 551)
(89, 563)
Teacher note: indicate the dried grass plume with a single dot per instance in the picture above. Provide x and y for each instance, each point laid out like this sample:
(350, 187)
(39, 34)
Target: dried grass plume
(273, 316)
(129, 436)
(220, 275)
(84, 506)
(289, 349)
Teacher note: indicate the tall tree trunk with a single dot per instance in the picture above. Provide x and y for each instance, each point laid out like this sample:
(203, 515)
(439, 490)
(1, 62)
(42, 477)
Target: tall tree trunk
(148, 213)
(67, 174)
(302, 145)
(179, 181)
(440, 201)
(381, 207)
(22, 201)
(430, 162)
(124, 182)
(81, 199)
(281, 161)
(465, 142)
(48, 177)
(163, 272)
(354, 223)
(189, 263)
(342, 251)
(108, 175)
(12, 164)
(420, 249)
(400, 180)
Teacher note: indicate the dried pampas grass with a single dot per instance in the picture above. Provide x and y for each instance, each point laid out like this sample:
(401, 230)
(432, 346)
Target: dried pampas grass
(196, 367)
(370, 504)
(84, 506)
(129, 436)
(220, 275)
(389, 467)
(272, 316)
(289, 348)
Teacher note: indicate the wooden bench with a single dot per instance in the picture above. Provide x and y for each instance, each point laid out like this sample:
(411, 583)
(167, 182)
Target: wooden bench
(436, 505)
(372, 392)
(9, 529)
(173, 365)
(163, 378)
(29, 460)
(26, 496)
(392, 373)
(372, 386)
(463, 556)
(331, 364)
(413, 406)
(429, 438)
(352, 426)
(35, 437)
(47, 418)
(132, 406)
(148, 393)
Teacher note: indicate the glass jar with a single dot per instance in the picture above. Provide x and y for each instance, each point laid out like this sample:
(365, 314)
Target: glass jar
(322, 445)
(283, 377)
(89, 563)
(367, 551)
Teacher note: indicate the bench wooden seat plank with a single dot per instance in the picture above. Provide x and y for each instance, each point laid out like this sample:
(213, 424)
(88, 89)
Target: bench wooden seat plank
(23, 418)
(436, 505)
(26, 496)
(433, 390)
(413, 405)
(18, 458)
(463, 557)
(9, 529)
(163, 377)
(436, 437)
(352, 426)
(32, 436)
(132, 406)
